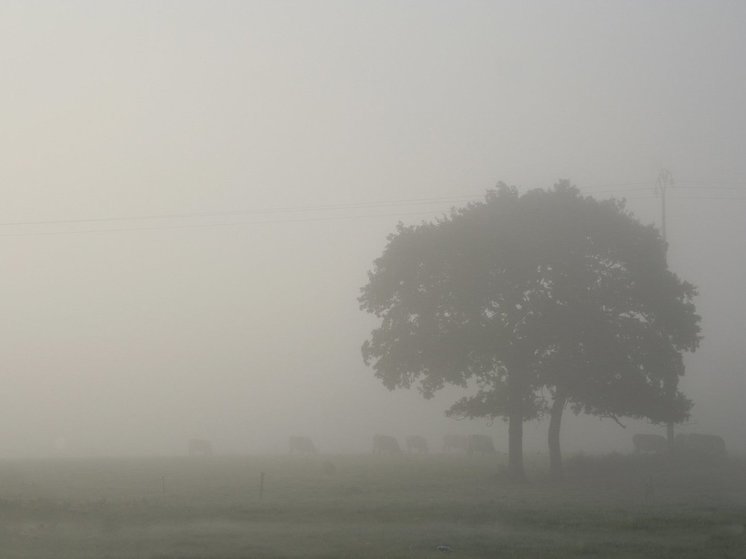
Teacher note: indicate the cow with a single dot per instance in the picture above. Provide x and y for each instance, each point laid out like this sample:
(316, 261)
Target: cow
(455, 443)
(700, 445)
(644, 443)
(301, 445)
(480, 444)
(417, 443)
(384, 444)
(200, 447)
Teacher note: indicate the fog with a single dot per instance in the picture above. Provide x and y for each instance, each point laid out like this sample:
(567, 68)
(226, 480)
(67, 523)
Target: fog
(193, 193)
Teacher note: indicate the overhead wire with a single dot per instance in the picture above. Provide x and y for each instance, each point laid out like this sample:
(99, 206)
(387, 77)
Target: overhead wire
(255, 211)
(273, 215)
(220, 224)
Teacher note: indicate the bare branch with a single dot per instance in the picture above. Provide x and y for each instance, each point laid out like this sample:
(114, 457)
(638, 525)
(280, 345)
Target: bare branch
(616, 420)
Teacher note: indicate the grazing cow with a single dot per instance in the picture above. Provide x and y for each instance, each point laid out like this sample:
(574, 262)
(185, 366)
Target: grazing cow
(480, 444)
(700, 445)
(417, 443)
(455, 443)
(200, 447)
(384, 444)
(649, 443)
(301, 445)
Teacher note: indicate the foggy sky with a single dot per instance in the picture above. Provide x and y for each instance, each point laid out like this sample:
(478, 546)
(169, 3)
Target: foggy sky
(130, 336)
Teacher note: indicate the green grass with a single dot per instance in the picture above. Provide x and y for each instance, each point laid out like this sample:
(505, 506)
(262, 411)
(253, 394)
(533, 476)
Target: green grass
(372, 506)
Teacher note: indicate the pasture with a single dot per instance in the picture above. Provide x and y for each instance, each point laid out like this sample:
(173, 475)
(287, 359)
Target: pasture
(370, 506)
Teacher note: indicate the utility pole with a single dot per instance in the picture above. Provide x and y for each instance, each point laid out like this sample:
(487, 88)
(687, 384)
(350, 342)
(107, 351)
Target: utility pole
(665, 181)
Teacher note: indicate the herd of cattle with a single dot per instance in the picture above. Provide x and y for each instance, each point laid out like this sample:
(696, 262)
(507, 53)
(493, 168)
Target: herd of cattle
(382, 444)
(414, 444)
(685, 444)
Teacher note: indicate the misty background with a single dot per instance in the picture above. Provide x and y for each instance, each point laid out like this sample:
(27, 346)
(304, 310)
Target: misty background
(193, 192)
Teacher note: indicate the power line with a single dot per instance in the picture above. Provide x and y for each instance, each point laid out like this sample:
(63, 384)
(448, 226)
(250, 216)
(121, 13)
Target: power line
(217, 224)
(637, 194)
(262, 211)
(698, 185)
(730, 198)
(712, 187)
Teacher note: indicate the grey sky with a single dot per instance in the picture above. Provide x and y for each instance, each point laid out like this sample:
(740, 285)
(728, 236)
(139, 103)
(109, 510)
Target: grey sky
(134, 340)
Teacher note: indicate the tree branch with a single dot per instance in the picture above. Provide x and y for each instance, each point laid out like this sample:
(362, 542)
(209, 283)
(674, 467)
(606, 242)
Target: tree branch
(616, 420)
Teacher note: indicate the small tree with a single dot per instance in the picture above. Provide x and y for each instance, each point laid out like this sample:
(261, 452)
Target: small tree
(548, 290)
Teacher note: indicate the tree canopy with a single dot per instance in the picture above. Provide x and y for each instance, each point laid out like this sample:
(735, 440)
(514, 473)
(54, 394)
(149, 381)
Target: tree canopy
(541, 299)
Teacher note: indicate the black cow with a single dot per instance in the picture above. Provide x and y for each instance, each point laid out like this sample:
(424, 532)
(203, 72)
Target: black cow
(384, 444)
(200, 447)
(480, 444)
(417, 443)
(649, 443)
(301, 445)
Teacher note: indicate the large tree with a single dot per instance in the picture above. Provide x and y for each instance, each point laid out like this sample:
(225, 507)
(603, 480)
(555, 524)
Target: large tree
(548, 291)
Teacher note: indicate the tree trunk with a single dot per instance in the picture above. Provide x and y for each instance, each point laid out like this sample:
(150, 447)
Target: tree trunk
(555, 421)
(515, 430)
(515, 446)
(670, 386)
(670, 437)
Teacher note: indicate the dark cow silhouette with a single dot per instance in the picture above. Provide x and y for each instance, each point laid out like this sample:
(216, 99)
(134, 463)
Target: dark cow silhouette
(200, 447)
(301, 445)
(384, 444)
(480, 444)
(455, 443)
(649, 443)
(700, 445)
(417, 443)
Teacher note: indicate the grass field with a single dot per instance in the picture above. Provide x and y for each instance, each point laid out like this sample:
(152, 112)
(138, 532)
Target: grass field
(369, 506)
